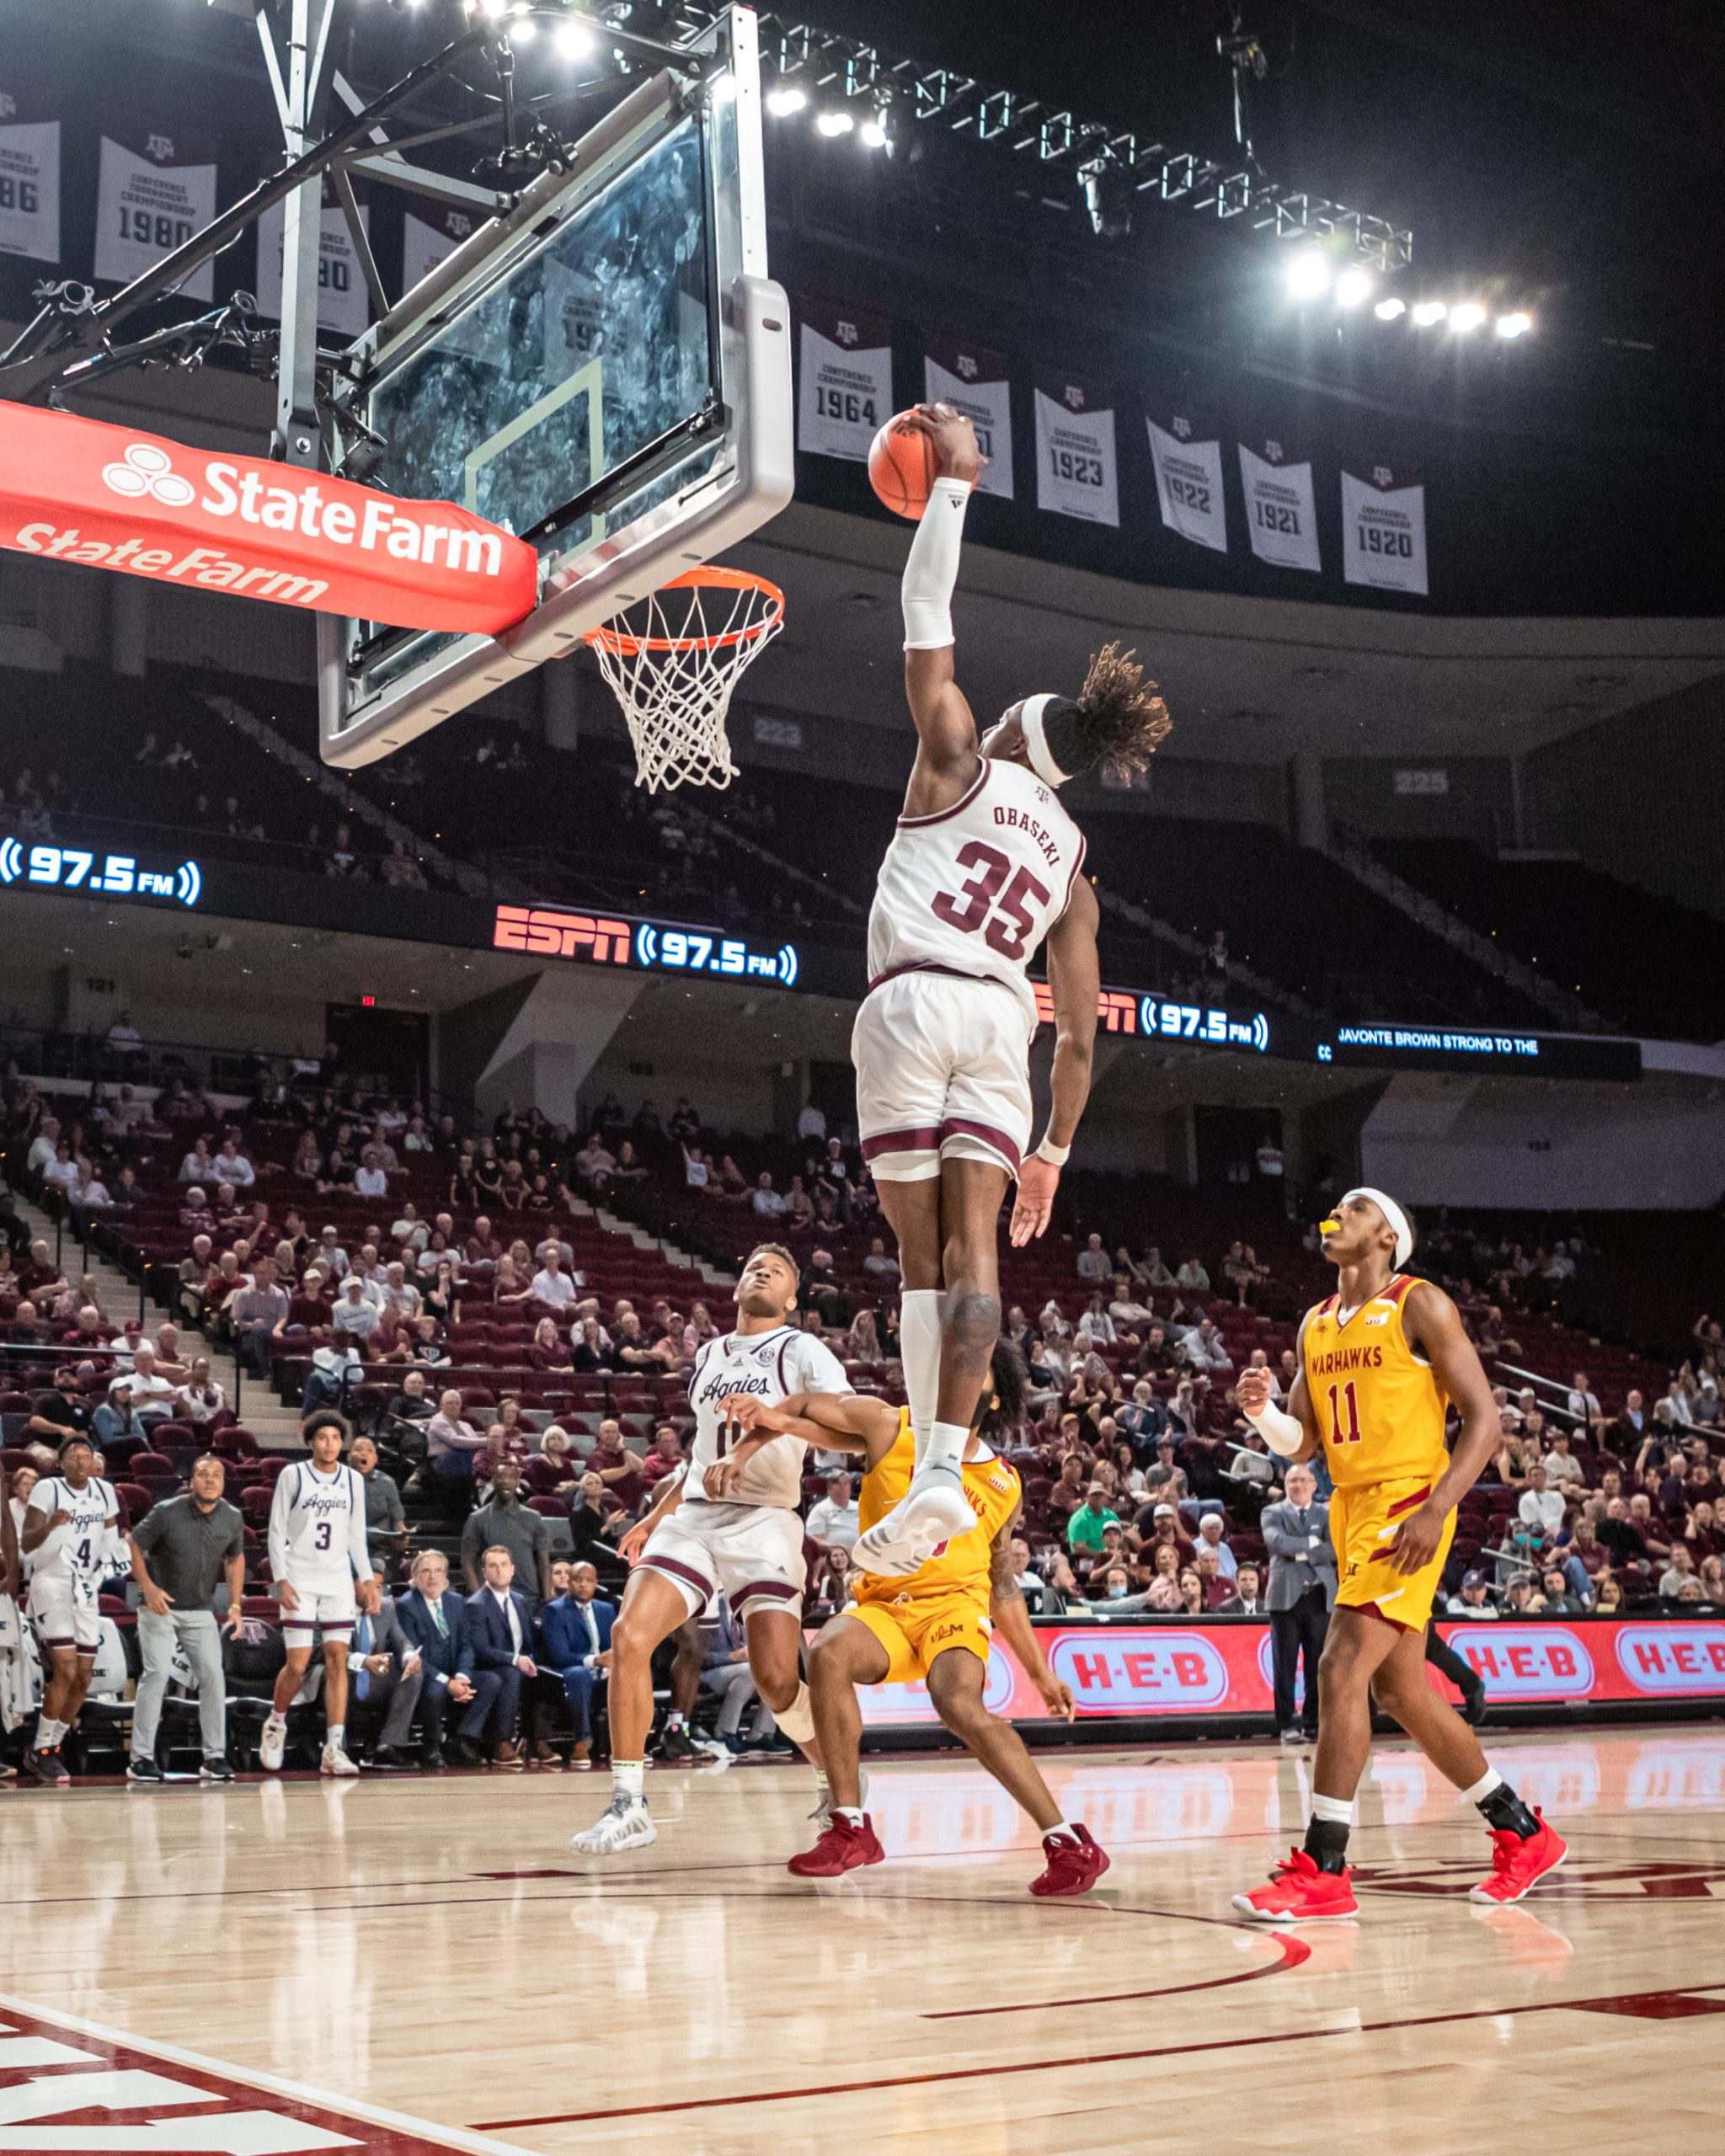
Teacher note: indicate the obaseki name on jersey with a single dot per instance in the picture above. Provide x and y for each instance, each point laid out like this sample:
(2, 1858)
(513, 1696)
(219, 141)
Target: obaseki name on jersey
(1348, 1358)
(1016, 820)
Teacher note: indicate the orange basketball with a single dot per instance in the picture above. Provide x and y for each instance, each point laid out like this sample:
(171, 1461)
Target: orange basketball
(902, 468)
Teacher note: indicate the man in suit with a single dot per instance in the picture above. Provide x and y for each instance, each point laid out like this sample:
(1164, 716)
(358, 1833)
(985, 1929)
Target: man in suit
(388, 1672)
(1302, 1593)
(435, 1620)
(575, 1632)
(501, 1627)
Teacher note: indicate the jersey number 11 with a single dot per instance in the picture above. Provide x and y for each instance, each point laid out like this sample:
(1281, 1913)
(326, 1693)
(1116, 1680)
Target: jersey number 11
(1339, 1436)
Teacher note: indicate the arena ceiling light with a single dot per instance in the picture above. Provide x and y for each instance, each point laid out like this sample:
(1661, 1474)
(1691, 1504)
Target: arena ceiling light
(1466, 318)
(1510, 326)
(873, 135)
(1390, 310)
(576, 40)
(785, 100)
(1308, 275)
(1353, 286)
(1428, 312)
(835, 123)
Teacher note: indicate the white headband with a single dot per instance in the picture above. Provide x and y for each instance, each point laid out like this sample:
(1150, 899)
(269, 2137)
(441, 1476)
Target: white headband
(1043, 760)
(1394, 1215)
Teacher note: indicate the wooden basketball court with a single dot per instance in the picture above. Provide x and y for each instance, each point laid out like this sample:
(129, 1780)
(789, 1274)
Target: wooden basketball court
(430, 1963)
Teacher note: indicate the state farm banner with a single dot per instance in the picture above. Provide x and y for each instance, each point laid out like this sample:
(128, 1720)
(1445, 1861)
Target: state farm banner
(426, 241)
(79, 490)
(845, 394)
(1186, 449)
(30, 176)
(1076, 471)
(1224, 1667)
(156, 187)
(1281, 515)
(344, 305)
(974, 381)
(1383, 528)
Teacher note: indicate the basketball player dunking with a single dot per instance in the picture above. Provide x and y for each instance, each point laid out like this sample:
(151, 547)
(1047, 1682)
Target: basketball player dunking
(1379, 1362)
(983, 866)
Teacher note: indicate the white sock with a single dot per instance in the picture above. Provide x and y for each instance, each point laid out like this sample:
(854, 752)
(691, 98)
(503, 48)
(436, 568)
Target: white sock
(275, 1720)
(626, 1778)
(946, 1447)
(674, 1720)
(1337, 1811)
(1063, 1830)
(849, 1813)
(337, 1732)
(1488, 1781)
(821, 1782)
(919, 1350)
(49, 1734)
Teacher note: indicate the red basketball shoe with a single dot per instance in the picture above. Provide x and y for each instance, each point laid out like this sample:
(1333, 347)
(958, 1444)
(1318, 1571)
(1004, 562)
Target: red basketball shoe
(1518, 1864)
(842, 1848)
(1073, 1867)
(1298, 1892)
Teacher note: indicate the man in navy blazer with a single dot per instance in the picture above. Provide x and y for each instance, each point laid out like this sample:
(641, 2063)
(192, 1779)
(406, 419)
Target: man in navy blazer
(575, 1633)
(435, 1621)
(500, 1629)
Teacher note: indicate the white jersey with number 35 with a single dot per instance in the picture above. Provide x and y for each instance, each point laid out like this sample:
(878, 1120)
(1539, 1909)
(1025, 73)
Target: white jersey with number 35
(974, 888)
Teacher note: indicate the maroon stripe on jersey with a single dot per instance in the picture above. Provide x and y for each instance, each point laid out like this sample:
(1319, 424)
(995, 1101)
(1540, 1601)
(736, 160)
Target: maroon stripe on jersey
(901, 1141)
(1397, 1289)
(1406, 1504)
(964, 801)
(776, 1589)
(958, 1126)
(680, 1571)
(929, 966)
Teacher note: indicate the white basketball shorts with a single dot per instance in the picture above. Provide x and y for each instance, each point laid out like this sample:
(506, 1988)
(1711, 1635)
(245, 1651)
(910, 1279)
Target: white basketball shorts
(64, 1613)
(752, 1554)
(326, 1609)
(942, 1073)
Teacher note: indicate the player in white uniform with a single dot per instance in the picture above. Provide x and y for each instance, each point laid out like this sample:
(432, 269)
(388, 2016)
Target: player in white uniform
(323, 1572)
(984, 868)
(704, 1538)
(70, 1544)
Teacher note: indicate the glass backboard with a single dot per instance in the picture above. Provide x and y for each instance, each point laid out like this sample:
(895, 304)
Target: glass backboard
(604, 371)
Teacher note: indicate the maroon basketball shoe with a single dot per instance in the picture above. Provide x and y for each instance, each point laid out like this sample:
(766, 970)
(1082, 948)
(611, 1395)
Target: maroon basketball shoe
(1299, 1892)
(1073, 1867)
(1518, 1863)
(842, 1848)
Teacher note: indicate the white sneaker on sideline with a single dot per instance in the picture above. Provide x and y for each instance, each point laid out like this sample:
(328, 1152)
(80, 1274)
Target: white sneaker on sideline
(335, 1761)
(625, 1824)
(273, 1744)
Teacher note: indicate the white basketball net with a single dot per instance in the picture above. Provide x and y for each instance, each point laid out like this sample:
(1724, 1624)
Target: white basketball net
(673, 661)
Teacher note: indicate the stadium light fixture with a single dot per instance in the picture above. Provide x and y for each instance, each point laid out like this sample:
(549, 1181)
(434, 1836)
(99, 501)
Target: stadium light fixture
(1308, 275)
(522, 29)
(835, 123)
(872, 133)
(1428, 313)
(785, 100)
(576, 40)
(1467, 317)
(1390, 310)
(1353, 287)
(1513, 325)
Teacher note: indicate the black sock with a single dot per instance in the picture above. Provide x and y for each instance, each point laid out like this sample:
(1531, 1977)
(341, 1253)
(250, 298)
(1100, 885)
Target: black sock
(1504, 1809)
(1327, 1844)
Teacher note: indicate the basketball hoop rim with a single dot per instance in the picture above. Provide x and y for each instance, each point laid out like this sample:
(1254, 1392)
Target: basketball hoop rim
(620, 643)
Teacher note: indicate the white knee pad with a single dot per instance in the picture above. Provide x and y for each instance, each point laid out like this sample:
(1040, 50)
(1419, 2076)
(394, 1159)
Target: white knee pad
(797, 1721)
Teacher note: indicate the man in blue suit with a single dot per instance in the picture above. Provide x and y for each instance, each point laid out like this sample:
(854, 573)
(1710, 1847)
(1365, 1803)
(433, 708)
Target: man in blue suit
(575, 1632)
(435, 1621)
(500, 1629)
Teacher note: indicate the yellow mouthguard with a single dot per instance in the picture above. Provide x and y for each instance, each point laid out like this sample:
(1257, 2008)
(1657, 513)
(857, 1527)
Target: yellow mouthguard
(1329, 1227)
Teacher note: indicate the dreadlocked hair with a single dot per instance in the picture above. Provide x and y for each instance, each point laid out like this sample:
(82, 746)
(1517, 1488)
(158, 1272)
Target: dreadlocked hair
(1115, 722)
(1001, 1409)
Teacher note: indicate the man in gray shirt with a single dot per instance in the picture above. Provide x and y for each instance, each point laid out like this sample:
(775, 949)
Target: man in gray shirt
(192, 1540)
(385, 1521)
(506, 1522)
(1302, 1591)
(256, 1312)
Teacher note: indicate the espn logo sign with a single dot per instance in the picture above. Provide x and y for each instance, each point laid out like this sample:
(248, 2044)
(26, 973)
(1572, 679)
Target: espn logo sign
(546, 935)
(1116, 1012)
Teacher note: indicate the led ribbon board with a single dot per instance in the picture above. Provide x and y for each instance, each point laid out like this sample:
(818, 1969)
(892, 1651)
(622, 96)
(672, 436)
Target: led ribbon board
(105, 875)
(647, 946)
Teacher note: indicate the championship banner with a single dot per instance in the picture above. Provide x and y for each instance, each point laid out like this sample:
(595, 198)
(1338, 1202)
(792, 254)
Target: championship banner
(78, 490)
(30, 178)
(156, 187)
(1187, 453)
(426, 243)
(344, 305)
(1076, 471)
(1224, 1666)
(845, 394)
(1281, 516)
(973, 382)
(1383, 529)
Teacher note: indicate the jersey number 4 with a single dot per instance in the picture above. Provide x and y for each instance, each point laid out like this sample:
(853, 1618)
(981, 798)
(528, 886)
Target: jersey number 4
(1339, 1436)
(982, 903)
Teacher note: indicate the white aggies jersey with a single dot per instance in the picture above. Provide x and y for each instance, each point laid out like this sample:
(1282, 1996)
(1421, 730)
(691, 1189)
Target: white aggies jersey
(317, 1527)
(76, 1555)
(974, 888)
(770, 1365)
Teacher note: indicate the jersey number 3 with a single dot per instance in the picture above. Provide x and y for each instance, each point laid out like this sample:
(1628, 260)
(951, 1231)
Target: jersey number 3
(982, 901)
(1339, 1436)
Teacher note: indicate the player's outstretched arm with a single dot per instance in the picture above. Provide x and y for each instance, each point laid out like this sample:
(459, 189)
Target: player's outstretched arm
(1074, 979)
(1433, 1322)
(946, 731)
(841, 1421)
(1012, 1621)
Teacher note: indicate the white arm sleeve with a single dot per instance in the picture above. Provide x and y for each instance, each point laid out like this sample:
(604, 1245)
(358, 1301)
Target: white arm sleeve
(932, 567)
(1284, 1433)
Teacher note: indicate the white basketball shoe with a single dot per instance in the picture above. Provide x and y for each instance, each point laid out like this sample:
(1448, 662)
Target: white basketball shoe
(335, 1761)
(933, 1510)
(272, 1745)
(625, 1824)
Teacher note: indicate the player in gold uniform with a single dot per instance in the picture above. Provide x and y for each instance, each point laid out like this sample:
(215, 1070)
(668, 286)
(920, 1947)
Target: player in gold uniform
(936, 1624)
(1381, 1361)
